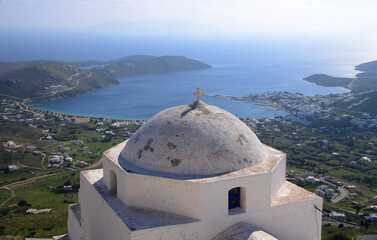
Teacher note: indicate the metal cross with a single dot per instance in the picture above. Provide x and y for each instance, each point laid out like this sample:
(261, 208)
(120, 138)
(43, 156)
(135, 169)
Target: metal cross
(198, 93)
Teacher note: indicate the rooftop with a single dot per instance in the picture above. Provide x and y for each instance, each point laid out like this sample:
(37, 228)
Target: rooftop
(136, 218)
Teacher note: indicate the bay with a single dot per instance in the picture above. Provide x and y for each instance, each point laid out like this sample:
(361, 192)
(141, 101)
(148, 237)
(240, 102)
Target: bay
(240, 67)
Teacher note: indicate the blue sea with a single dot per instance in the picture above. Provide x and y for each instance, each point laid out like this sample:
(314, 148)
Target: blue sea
(240, 67)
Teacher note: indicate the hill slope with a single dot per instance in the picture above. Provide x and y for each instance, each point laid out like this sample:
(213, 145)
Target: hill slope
(43, 80)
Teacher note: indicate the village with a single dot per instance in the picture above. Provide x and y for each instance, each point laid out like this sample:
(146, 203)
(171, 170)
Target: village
(307, 110)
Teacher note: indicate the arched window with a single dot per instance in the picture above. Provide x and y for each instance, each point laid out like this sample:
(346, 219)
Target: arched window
(113, 183)
(234, 198)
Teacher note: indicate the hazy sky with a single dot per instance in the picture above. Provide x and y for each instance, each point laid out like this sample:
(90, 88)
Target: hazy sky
(241, 16)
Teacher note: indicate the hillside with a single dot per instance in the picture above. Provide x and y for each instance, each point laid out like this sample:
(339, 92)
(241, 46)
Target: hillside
(44, 80)
(367, 67)
(363, 102)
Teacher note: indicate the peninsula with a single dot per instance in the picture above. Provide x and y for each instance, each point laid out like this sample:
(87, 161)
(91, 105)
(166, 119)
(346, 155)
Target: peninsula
(364, 81)
(46, 80)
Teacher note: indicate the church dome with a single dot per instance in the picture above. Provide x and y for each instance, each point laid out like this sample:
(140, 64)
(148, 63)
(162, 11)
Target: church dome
(194, 139)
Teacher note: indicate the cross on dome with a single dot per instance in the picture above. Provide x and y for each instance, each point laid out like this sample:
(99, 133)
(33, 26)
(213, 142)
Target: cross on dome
(197, 94)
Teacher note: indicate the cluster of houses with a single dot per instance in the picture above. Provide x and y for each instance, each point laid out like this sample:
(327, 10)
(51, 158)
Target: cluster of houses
(106, 132)
(58, 158)
(55, 159)
(324, 191)
(342, 217)
(303, 108)
(81, 164)
(14, 111)
(373, 216)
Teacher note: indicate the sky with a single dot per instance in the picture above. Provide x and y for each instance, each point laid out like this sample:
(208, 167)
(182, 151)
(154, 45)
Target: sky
(196, 16)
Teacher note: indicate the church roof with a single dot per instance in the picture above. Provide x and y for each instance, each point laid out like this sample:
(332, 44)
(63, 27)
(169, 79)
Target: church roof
(194, 139)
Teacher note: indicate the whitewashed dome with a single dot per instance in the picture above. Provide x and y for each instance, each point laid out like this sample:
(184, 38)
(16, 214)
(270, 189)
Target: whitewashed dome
(195, 139)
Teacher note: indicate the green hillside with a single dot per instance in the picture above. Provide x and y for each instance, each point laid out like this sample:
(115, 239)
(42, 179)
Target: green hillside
(31, 81)
(363, 102)
(43, 80)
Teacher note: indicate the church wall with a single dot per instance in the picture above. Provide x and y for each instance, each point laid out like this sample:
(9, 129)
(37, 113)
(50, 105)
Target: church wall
(74, 227)
(255, 190)
(278, 176)
(109, 165)
(169, 195)
(286, 222)
(98, 219)
(298, 220)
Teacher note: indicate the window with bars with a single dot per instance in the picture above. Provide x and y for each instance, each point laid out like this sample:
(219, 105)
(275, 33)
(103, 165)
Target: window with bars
(234, 198)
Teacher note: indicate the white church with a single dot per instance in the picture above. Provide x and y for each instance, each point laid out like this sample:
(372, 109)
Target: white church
(193, 172)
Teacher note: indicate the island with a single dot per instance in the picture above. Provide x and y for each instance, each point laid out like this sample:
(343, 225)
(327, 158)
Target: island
(47, 80)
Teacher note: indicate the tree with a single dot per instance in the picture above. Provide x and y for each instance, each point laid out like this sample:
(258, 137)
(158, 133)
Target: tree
(23, 203)
(68, 182)
(339, 236)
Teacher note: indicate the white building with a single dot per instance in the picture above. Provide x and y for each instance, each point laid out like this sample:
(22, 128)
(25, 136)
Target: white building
(372, 217)
(31, 148)
(337, 215)
(193, 172)
(365, 159)
(324, 193)
(11, 144)
(55, 159)
(320, 192)
(311, 180)
(12, 168)
(330, 192)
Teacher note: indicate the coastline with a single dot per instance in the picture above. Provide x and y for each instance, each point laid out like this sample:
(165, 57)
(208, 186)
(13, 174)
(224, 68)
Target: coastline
(275, 106)
(77, 118)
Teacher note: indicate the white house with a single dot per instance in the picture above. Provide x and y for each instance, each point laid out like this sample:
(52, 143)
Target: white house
(31, 148)
(12, 168)
(311, 180)
(329, 192)
(372, 217)
(55, 159)
(11, 144)
(320, 192)
(337, 215)
(193, 172)
(365, 159)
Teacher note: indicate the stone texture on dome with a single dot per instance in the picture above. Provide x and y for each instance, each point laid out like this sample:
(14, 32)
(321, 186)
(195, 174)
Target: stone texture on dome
(195, 139)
